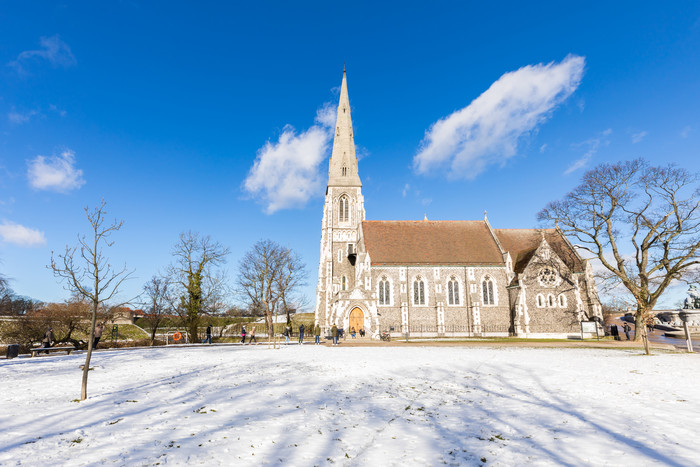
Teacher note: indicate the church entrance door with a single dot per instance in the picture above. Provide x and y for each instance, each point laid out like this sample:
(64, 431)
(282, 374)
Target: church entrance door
(357, 320)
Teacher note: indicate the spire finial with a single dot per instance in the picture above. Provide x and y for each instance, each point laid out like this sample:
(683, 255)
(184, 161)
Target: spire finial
(343, 67)
(425, 217)
(485, 218)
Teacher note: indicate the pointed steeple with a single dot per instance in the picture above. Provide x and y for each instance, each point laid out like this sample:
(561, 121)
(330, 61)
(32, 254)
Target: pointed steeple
(342, 168)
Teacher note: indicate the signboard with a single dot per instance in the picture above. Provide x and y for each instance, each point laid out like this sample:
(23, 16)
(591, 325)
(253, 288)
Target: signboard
(590, 327)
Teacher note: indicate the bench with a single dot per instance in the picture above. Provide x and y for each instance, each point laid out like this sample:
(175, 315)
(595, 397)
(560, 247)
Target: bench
(37, 350)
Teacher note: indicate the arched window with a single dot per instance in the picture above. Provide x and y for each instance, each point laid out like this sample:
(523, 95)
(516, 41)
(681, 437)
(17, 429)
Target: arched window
(550, 300)
(453, 291)
(487, 288)
(562, 301)
(343, 283)
(344, 209)
(345, 171)
(419, 291)
(540, 301)
(384, 292)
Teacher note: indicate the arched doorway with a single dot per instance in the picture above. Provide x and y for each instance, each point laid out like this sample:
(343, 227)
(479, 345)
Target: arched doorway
(356, 320)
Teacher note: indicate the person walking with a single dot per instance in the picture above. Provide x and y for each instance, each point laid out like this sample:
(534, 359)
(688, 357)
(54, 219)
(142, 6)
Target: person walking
(286, 334)
(334, 334)
(48, 339)
(99, 329)
(317, 335)
(626, 328)
(207, 340)
(301, 334)
(243, 334)
(252, 337)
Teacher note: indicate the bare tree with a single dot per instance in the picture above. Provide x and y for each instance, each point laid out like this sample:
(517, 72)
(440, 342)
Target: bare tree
(269, 275)
(292, 276)
(157, 303)
(86, 272)
(194, 272)
(641, 222)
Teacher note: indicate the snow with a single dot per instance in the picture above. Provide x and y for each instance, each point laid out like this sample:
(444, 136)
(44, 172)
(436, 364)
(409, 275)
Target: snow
(315, 405)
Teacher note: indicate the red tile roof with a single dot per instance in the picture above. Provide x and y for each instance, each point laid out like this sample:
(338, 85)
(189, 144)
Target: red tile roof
(522, 244)
(430, 242)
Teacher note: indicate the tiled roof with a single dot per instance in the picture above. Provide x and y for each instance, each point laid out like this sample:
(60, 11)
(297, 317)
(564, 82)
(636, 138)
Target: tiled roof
(522, 244)
(430, 242)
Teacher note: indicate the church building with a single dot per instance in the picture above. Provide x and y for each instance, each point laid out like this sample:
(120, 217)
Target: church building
(440, 278)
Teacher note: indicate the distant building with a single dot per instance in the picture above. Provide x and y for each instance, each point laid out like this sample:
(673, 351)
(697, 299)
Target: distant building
(440, 277)
(125, 315)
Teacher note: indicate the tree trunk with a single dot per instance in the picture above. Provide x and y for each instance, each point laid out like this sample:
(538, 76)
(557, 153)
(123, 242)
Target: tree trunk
(91, 340)
(640, 329)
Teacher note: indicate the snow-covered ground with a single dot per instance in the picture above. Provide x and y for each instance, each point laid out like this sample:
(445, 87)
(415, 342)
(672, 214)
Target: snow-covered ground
(373, 406)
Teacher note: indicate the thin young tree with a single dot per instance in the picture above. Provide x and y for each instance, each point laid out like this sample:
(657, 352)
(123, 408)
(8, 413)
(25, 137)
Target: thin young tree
(86, 271)
(194, 272)
(157, 303)
(641, 222)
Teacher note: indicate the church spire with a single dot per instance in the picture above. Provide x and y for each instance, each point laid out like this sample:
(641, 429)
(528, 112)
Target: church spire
(342, 168)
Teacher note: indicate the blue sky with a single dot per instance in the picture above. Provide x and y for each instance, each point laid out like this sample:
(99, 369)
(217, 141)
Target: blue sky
(163, 108)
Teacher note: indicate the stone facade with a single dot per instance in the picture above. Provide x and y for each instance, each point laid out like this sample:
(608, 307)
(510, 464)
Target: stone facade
(451, 278)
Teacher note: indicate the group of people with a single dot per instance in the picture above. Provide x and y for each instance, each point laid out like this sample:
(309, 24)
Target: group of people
(353, 333)
(287, 333)
(49, 338)
(615, 332)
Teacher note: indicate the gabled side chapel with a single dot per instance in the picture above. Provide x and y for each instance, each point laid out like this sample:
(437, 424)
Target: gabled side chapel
(460, 278)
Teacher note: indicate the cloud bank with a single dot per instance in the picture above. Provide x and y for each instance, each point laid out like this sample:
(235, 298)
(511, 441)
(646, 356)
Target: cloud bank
(286, 173)
(21, 235)
(57, 173)
(486, 132)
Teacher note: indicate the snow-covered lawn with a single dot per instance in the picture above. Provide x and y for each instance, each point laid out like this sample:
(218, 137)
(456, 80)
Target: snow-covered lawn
(373, 406)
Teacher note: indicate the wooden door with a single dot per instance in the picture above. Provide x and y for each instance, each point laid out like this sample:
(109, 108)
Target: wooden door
(357, 320)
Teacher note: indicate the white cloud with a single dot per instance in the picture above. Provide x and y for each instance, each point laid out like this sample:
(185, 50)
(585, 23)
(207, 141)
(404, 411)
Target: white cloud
(18, 118)
(639, 136)
(52, 49)
(592, 145)
(56, 173)
(543, 148)
(54, 108)
(686, 131)
(21, 235)
(486, 132)
(286, 173)
(405, 190)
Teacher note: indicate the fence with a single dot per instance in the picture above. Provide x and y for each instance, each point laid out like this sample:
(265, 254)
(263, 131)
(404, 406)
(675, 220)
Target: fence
(478, 330)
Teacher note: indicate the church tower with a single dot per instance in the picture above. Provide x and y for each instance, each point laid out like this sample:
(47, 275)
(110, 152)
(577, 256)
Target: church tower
(343, 212)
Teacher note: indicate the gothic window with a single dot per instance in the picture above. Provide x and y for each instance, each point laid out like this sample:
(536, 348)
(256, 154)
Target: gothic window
(562, 301)
(548, 276)
(540, 301)
(419, 291)
(344, 209)
(345, 171)
(550, 300)
(487, 288)
(384, 292)
(453, 291)
(343, 283)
